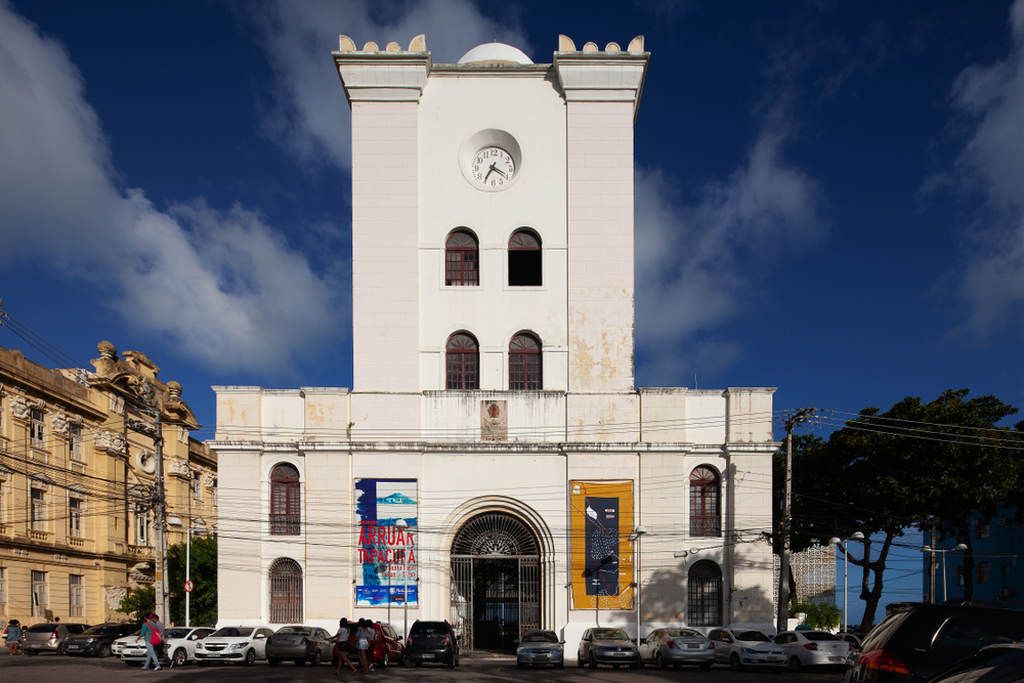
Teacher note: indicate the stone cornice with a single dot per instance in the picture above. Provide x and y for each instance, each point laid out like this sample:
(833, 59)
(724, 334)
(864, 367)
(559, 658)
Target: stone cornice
(508, 448)
(382, 76)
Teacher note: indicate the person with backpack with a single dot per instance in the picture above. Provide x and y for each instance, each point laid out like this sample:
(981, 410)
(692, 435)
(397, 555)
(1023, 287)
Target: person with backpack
(341, 646)
(153, 636)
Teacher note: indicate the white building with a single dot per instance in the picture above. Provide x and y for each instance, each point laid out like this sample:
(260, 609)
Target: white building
(493, 431)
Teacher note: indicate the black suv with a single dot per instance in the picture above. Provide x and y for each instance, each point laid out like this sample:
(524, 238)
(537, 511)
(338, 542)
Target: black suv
(432, 641)
(97, 640)
(915, 641)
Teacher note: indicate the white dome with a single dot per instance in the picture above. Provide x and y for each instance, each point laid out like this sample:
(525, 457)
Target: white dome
(495, 53)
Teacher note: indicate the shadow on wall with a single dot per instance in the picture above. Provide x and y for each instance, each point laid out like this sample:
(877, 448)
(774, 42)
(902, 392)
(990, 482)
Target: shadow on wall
(664, 601)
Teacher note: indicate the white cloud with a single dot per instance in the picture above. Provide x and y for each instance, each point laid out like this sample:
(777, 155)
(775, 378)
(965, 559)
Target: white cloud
(992, 278)
(225, 287)
(698, 264)
(310, 116)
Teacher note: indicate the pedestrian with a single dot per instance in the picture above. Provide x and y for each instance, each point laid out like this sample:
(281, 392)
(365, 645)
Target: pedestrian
(341, 647)
(13, 638)
(364, 635)
(153, 636)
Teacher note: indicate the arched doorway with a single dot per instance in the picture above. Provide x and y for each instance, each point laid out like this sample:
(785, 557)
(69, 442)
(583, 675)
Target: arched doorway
(495, 587)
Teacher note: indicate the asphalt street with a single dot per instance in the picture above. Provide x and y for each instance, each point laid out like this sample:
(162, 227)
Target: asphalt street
(49, 668)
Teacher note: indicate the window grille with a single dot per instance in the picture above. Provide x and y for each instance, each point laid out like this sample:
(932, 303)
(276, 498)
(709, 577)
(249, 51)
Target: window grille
(524, 259)
(461, 259)
(462, 362)
(705, 491)
(704, 594)
(285, 501)
(524, 363)
(285, 592)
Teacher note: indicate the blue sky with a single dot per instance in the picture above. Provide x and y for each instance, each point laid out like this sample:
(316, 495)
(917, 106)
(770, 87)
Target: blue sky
(829, 195)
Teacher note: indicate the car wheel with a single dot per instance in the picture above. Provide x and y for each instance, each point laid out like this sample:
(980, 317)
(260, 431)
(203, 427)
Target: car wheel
(795, 664)
(104, 651)
(451, 662)
(592, 661)
(734, 661)
(660, 660)
(180, 657)
(250, 657)
(386, 662)
(579, 660)
(317, 656)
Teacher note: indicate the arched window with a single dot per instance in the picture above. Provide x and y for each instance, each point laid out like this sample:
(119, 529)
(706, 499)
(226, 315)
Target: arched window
(524, 362)
(461, 259)
(705, 494)
(704, 594)
(285, 501)
(524, 258)
(285, 592)
(462, 362)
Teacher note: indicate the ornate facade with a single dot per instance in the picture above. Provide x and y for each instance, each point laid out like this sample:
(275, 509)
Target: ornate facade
(76, 483)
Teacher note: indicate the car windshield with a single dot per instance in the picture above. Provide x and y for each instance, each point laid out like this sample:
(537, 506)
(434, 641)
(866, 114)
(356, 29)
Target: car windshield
(301, 630)
(683, 633)
(102, 630)
(232, 632)
(819, 635)
(429, 628)
(540, 637)
(610, 634)
(752, 635)
(176, 633)
(41, 628)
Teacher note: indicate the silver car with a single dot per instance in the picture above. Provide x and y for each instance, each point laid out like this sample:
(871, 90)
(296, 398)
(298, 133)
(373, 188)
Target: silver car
(677, 646)
(48, 637)
(540, 648)
(746, 647)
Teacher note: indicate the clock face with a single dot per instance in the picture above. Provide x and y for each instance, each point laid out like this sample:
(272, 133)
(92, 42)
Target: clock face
(492, 168)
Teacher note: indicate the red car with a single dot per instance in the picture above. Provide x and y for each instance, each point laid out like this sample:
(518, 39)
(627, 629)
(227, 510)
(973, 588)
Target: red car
(387, 648)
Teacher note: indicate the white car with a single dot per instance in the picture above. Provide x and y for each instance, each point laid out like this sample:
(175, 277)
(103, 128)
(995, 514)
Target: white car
(117, 647)
(179, 646)
(812, 648)
(234, 644)
(746, 647)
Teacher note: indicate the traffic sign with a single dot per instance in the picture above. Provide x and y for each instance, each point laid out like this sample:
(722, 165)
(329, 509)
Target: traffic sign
(189, 585)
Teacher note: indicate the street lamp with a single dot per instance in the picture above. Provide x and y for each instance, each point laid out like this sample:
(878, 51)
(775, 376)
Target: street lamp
(960, 547)
(176, 521)
(855, 536)
(634, 538)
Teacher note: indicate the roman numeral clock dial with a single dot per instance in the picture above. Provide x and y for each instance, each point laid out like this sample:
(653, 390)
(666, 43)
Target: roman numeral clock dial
(492, 168)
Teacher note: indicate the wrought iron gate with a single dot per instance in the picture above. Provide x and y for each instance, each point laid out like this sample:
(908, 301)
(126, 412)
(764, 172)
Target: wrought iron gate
(461, 617)
(529, 594)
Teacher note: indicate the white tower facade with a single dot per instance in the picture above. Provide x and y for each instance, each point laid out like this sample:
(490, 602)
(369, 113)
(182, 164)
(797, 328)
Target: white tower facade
(493, 463)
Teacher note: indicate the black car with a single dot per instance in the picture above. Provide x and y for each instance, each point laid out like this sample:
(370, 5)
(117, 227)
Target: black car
(96, 641)
(991, 664)
(299, 644)
(432, 641)
(607, 646)
(916, 642)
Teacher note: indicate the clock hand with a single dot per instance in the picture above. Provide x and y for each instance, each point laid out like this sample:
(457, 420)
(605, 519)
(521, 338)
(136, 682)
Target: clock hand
(490, 171)
(499, 172)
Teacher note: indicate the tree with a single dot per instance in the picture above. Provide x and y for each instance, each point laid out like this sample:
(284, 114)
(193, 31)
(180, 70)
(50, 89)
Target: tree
(820, 616)
(883, 473)
(203, 572)
(139, 602)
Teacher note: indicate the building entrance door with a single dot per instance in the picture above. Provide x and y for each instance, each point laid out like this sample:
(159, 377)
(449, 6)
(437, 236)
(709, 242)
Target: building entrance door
(495, 582)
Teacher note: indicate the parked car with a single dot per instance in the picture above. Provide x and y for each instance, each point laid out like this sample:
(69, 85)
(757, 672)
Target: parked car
(852, 640)
(607, 646)
(745, 647)
(674, 647)
(234, 644)
(812, 648)
(432, 641)
(179, 646)
(118, 646)
(48, 637)
(916, 641)
(540, 647)
(299, 644)
(387, 648)
(97, 641)
(1001, 663)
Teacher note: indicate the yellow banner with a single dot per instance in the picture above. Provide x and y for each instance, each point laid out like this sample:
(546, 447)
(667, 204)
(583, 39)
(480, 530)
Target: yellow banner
(601, 521)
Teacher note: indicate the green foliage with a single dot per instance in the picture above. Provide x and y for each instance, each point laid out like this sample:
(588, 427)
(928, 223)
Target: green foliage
(820, 616)
(138, 603)
(203, 603)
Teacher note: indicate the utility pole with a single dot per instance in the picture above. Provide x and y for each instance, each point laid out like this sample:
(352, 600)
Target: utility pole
(782, 608)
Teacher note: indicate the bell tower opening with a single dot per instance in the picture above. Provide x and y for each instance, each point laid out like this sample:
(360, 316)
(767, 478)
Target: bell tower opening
(495, 582)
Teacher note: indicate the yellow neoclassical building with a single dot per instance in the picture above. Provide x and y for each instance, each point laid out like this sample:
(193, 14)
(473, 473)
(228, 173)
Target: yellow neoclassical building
(77, 483)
